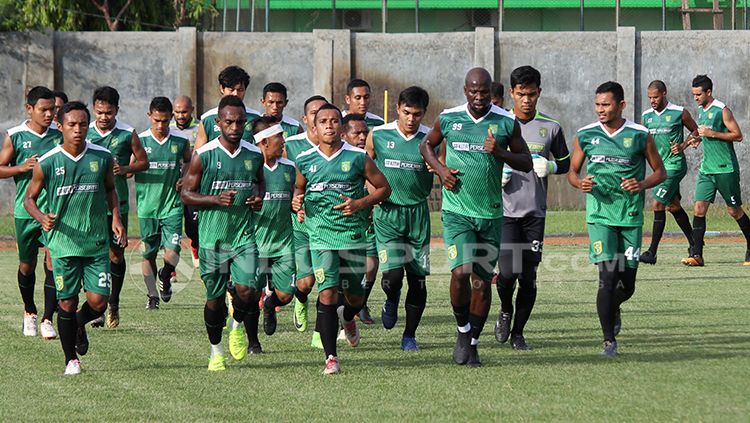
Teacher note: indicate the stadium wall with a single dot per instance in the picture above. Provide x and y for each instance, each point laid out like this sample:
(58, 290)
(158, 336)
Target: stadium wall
(144, 64)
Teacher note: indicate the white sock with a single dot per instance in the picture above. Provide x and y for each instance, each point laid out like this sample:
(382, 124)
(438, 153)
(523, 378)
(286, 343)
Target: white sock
(474, 341)
(217, 349)
(465, 329)
(235, 324)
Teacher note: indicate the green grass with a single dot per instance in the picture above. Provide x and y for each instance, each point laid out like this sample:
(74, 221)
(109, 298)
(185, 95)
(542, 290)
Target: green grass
(685, 357)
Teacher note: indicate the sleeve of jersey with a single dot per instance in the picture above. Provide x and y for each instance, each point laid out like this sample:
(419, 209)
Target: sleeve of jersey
(560, 153)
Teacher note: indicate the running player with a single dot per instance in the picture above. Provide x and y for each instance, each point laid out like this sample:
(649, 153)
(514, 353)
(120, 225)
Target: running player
(666, 122)
(525, 206)
(157, 191)
(358, 96)
(273, 229)
(355, 133)
(78, 177)
(330, 187)
(233, 80)
(120, 139)
(498, 94)
(274, 102)
(402, 222)
(719, 170)
(60, 99)
(479, 138)
(20, 153)
(617, 150)
(185, 126)
(294, 146)
(225, 181)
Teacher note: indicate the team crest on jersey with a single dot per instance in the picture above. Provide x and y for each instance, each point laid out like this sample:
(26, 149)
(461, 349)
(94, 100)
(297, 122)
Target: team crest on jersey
(287, 177)
(711, 115)
(627, 142)
(493, 128)
(383, 256)
(668, 118)
(597, 247)
(452, 252)
(543, 132)
(285, 134)
(59, 283)
(94, 166)
(249, 164)
(175, 149)
(320, 276)
(346, 166)
(114, 142)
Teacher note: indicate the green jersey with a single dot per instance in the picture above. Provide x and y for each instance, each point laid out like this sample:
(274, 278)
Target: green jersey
(294, 146)
(119, 141)
(273, 229)
(398, 157)
(718, 155)
(27, 143)
(155, 188)
(229, 227)
(290, 126)
(328, 178)
(77, 195)
(612, 158)
(211, 129)
(666, 128)
(371, 119)
(479, 193)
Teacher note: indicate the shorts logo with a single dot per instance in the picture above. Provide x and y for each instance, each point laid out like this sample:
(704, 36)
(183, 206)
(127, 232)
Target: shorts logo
(627, 142)
(346, 166)
(597, 248)
(94, 166)
(249, 164)
(174, 149)
(543, 132)
(59, 283)
(320, 276)
(383, 256)
(452, 252)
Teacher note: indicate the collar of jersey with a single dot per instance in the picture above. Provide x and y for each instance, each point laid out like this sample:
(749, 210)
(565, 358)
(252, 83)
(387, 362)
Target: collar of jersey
(28, 129)
(468, 112)
(78, 157)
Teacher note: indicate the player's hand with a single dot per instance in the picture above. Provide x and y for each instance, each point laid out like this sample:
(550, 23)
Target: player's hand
(226, 198)
(705, 131)
(255, 202)
(29, 163)
(490, 143)
(675, 148)
(631, 185)
(297, 202)
(448, 177)
(349, 206)
(48, 221)
(117, 169)
(178, 185)
(301, 216)
(120, 236)
(587, 184)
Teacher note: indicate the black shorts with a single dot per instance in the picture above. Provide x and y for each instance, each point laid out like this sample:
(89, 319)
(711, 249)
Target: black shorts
(522, 242)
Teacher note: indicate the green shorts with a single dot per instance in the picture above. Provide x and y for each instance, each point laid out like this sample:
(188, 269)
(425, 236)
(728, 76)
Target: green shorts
(279, 271)
(302, 259)
(73, 273)
(728, 185)
(607, 243)
(372, 250)
(29, 239)
(403, 237)
(340, 268)
(218, 267)
(112, 241)
(160, 233)
(666, 191)
(472, 240)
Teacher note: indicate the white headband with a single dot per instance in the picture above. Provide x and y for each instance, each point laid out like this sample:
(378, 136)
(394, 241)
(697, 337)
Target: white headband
(273, 130)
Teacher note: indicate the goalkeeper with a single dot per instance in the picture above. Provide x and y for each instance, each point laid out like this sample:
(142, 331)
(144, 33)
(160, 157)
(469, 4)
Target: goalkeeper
(525, 205)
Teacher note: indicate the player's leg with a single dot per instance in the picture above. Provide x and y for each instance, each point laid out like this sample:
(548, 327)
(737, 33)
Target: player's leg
(68, 278)
(245, 304)
(665, 194)
(682, 219)
(604, 248)
(214, 274)
(305, 279)
(281, 270)
(191, 230)
(390, 232)
(630, 245)
(27, 240)
(370, 276)
(353, 266)
(150, 235)
(705, 193)
(729, 188)
(117, 263)
(46, 327)
(170, 229)
(97, 282)
(326, 269)
(416, 272)
(533, 231)
(511, 265)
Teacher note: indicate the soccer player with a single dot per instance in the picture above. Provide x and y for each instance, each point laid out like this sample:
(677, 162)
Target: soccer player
(274, 102)
(330, 187)
(225, 181)
(294, 146)
(19, 156)
(233, 80)
(498, 94)
(355, 132)
(525, 206)
(402, 222)
(719, 170)
(666, 122)
(123, 142)
(60, 99)
(358, 96)
(157, 192)
(273, 228)
(479, 138)
(617, 150)
(185, 125)
(78, 177)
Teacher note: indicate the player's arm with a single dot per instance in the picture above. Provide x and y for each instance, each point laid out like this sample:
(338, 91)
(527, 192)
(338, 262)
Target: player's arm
(652, 180)
(560, 154)
(516, 156)
(692, 139)
(298, 200)
(427, 147)
(191, 184)
(201, 138)
(139, 161)
(370, 146)
(381, 190)
(734, 134)
(47, 220)
(6, 156)
(256, 200)
(113, 203)
(574, 173)
(185, 162)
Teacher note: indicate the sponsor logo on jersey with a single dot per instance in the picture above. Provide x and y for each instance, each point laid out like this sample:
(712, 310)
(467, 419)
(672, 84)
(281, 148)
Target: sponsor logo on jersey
(277, 196)
(402, 164)
(231, 185)
(76, 188)
(543, 132)
(94, 166)
(346, 166)
(162, 165)
(322, 186)
(601, 158)
(627, 142)
(469, 147)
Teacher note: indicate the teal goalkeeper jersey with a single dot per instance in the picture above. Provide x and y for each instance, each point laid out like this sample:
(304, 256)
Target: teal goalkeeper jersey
(666, 128)
(155, 188)
(119, 141)
(273, 229)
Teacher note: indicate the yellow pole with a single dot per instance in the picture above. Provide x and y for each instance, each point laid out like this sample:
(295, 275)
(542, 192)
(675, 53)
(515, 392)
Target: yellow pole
(385, 106)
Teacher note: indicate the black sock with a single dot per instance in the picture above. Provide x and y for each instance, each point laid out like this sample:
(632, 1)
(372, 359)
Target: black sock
(477, 324)
(214, 324)
(317, 320)
(251, 322)
(606, 305)
(272, 301)
(67, 329)
(699, 231)
(744, 223)
(166, 272)
(525, 300)
(416, 299)
(240, 309)
(660, 220)
(368, 290)
(392, 282)
(683, 221)
(626, 285)
(26, 286)
(300, 296)
(117, 270)
(350, 311)
(461, 313)
(50, 295)
(506, 284)
(87, 314)
(329, 328)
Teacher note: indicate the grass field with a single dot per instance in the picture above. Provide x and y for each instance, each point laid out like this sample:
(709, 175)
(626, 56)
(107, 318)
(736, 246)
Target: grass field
(685, 356)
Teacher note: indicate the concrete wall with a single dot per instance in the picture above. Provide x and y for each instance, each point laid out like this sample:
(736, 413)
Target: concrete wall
(142, 65)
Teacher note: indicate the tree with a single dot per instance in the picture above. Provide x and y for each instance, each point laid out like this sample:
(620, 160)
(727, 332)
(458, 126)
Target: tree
(113, 24)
